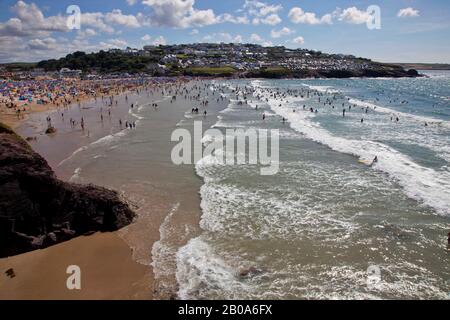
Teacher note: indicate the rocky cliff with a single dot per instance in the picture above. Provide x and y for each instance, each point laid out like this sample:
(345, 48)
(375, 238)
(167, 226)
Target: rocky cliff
(388, 71)
(37, 210)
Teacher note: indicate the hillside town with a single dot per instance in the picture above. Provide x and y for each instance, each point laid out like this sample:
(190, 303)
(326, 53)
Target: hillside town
(203, 59)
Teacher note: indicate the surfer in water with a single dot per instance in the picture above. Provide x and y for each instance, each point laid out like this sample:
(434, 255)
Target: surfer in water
(375, 160)
(448, 242)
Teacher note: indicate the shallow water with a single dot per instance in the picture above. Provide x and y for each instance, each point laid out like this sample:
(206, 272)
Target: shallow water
(137, 163)
(314, 229)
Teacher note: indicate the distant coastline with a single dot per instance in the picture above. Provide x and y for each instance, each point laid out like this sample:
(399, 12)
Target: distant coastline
(208, 60)
(425, 66)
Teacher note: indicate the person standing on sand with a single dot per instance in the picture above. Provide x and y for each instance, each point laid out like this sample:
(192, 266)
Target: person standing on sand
(448, 242)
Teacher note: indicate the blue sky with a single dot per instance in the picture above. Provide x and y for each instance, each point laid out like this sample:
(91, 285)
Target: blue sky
(410, 30)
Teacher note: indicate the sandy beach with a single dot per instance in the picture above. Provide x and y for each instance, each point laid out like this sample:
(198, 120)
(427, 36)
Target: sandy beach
(20, 99)
(107, 272)
(137, 262)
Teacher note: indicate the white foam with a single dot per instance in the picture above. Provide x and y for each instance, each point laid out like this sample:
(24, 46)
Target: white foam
(324, 89)
(403, 115)
(202, 273)
(104, 141)
(76, 175)
(72, 155)
(163, 253)
(421, 183)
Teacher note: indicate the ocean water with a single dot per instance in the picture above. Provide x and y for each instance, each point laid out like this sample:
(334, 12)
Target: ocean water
(137, 163)
(311, 231)
(315, 229)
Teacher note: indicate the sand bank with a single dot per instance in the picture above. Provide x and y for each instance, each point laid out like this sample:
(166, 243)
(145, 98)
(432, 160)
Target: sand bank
(107, 271)
(108, 264)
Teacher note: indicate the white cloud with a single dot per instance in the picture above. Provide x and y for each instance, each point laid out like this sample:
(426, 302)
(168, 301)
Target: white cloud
(272, 20)
(261, 9)
(30, 21)
(256, 38)
(268, 9)
(297, 15)
(223, 37)
(160, 41)
(36, 49)
(299, 40)
(42, 44)
(262, 13)
(226, 17)
(146, 37)
(95, 20)
(86, 33)
(116, 17)
(237, 39)
(354, 15)
(132, 2)
(194, 32)
(256, 21)
(178, 14)
(408, 12)
(281, 33)
(113, 44)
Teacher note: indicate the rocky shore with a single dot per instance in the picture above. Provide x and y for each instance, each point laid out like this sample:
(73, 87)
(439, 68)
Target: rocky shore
(37, 210)
(382, 72)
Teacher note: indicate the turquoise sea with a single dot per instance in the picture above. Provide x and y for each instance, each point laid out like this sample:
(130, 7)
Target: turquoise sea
(317, 227)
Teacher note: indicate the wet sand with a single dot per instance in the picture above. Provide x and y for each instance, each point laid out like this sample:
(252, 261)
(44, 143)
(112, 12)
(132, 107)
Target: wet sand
(107, 272)
(8, 117)
(166, 200)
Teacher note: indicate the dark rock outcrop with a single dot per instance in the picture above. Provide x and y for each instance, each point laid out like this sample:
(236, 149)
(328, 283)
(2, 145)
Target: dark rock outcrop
(50, 130)
(37, 210)
(377, 70)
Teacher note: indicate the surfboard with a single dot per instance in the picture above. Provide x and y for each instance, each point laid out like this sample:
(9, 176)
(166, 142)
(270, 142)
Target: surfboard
(367, 163)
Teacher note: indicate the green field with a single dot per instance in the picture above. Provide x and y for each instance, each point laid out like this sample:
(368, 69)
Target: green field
(211, 71)
(275, 72)
(23, 66)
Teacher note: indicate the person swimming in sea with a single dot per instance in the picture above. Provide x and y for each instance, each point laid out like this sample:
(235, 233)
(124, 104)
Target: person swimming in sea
(448, 242)
(374, 161)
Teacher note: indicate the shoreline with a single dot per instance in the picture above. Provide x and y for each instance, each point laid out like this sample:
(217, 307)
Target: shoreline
(102, 257)
(61, 102)
(134, 241)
